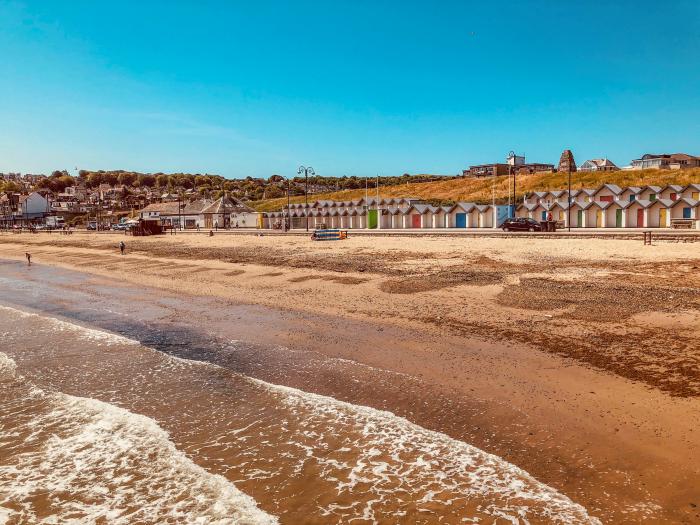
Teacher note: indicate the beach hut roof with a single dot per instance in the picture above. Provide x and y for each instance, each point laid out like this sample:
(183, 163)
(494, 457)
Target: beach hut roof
(692, 187)
(529, 206)
(655, 189)
(482, 207)
(164, 208)
(634, 189)
(612, 187)
(421, 208)
(675, 187)
(602, 204)
(687, 201)
(644, 203)
(557, 193)
(666, 203)
(466, 206)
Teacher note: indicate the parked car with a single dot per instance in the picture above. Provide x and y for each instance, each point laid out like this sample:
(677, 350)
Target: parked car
(521, 224)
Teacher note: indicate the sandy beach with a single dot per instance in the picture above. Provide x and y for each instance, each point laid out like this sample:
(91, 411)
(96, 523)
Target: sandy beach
(575, 359)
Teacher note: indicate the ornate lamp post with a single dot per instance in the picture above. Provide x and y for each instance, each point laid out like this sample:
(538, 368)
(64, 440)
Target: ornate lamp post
(306, 171)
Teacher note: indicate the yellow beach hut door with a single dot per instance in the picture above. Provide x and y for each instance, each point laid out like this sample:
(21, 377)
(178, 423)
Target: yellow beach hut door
(599, 219)
(662, 218)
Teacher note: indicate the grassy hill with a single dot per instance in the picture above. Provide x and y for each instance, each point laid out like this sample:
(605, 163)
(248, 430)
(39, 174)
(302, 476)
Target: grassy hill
(481, 190)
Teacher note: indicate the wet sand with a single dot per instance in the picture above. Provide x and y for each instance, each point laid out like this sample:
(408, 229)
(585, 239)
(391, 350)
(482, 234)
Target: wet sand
(620, 442)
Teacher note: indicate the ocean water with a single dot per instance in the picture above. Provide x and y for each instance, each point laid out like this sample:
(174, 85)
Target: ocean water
(96, 427)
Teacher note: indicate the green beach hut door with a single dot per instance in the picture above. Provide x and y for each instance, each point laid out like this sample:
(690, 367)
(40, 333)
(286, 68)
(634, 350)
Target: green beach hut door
(372, 219)
(579, 218)
(618, 218)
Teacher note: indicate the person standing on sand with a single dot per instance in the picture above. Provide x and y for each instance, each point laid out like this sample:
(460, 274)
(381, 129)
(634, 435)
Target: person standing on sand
(29, 258)
(122, 247)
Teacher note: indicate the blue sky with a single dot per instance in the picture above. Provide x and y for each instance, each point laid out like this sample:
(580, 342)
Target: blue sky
(351, 88)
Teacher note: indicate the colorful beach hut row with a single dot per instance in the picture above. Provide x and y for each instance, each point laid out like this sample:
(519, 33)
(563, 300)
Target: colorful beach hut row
(375, 215)
(611, 206)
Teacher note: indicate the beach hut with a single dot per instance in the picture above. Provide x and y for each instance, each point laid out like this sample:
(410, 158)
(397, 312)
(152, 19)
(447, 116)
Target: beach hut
(483, 215)
(393, 218)
(615, 214)
(671, 192)
(637, 213)
(584, 195)
(692, 191)
(526, 210)
(540, 197)
(413, 216)
(558, 209)
(593, 216)
(458, 215)
(607, 193)
(440, 216)
(630, 194)
(578, 214)
(657, 214)
(650, 193)
(685, 209)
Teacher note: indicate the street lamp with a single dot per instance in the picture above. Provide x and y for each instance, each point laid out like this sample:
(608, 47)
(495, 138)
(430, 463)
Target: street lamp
(568, 208)
(306, 171)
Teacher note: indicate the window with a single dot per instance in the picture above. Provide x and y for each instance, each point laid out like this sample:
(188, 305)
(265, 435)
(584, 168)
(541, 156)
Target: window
(674, 196)
(633, 197)
(652, 196)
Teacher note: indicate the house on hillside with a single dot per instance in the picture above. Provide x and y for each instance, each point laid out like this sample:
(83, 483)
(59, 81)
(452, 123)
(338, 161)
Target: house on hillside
(669, 161)
(598, 165)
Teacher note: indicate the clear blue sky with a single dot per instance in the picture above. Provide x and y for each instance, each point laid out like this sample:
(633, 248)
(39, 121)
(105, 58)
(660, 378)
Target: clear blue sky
(357, 87)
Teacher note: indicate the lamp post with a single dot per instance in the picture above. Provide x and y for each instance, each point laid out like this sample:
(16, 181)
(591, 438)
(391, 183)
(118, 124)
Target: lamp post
(568, 198)
(306, 171)
(288, 221)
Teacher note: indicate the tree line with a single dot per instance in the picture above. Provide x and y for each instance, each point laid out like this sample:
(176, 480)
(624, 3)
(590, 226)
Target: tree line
(249, 188)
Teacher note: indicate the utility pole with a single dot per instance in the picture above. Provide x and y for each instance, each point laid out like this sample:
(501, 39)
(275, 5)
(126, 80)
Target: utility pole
(366, 205)
(379, 213)
(288, 224)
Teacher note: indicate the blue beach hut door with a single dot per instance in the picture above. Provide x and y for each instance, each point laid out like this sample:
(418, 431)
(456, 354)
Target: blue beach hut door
(461, 219)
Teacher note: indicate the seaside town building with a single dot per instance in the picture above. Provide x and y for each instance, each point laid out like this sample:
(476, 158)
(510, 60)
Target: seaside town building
(224, 212)
(671, 161)
(598, 165)
(514, 164)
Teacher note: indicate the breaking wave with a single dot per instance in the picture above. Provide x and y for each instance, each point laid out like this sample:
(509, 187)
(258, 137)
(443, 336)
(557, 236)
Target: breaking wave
(70, 459)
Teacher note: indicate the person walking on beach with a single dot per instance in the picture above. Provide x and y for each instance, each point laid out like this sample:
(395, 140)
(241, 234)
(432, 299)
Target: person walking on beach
(29, 258)
(122, 247)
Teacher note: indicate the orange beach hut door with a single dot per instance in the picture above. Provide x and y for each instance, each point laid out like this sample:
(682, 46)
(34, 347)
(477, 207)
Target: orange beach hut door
(640, 218)
(662, 218)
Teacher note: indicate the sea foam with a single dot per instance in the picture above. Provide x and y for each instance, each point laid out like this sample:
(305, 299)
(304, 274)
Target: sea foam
(83, 460)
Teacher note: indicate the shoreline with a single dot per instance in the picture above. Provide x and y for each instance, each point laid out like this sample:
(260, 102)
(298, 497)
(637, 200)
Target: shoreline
(569, 425)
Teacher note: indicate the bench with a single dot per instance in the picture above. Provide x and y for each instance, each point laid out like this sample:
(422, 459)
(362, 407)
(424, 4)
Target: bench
(682, 224)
